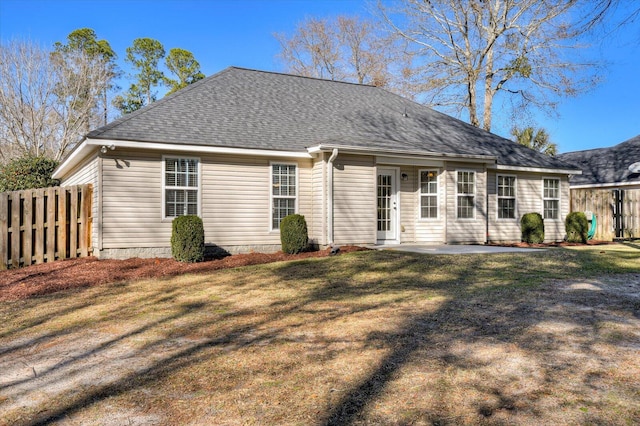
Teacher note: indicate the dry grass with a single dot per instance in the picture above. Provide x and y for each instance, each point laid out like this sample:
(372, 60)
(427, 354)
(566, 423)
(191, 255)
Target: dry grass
(361, 338)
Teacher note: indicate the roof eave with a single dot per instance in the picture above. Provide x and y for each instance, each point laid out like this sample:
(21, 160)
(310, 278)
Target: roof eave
(347, 149)
(538, 169)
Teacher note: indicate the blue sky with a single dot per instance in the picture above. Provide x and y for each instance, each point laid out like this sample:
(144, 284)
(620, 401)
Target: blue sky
(221, 33)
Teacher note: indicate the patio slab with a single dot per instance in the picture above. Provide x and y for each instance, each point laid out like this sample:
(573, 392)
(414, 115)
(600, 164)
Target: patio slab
(452, 248)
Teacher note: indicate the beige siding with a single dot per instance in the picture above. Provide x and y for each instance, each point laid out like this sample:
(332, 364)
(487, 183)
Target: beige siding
(528, 200)
(431, 230)
(408, 207)
(235, 200)
(465, 230)
(317, 232)
(413, 228)
(354, 206)
(87, 172)
(132, 201)
(554, 229)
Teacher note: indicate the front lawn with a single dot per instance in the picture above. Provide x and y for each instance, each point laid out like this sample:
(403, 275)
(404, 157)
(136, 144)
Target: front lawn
(361, 338)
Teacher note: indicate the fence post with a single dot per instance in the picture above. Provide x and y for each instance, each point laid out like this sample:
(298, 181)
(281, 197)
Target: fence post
(15, 229)
(51, 224)
(27, 214)
(85, 207)
(39, 226)
(62, 223)
(4, 230)
(73, 225)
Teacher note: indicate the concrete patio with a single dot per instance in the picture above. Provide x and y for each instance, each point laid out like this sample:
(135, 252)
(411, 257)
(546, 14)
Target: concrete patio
(452, 248)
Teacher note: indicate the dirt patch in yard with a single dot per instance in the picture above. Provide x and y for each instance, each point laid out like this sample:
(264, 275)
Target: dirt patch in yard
(371, 338)
(46, 278)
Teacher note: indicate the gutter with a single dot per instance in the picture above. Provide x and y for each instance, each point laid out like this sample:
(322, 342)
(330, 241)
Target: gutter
(333, 156)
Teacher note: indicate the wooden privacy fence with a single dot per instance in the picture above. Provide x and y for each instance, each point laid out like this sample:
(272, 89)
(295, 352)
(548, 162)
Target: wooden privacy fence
(43, 225)
(617, 211)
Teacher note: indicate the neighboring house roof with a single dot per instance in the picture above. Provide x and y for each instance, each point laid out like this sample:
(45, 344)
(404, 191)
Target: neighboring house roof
(242, 108)
(606, 165)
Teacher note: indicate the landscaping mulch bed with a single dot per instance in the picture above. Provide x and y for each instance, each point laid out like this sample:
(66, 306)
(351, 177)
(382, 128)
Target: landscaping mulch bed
(48, 278)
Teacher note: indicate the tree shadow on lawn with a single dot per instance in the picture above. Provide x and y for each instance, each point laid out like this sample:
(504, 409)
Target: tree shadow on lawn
(475, 314)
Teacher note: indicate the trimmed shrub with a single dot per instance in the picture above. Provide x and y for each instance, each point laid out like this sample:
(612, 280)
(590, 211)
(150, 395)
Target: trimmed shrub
(293, 234)
(577, 227)
(187, 239)
(27, 173)
(532, 227)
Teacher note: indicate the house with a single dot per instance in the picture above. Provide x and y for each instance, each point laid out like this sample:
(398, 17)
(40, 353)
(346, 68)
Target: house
(244, 148)
(609, 187)
(614, 167)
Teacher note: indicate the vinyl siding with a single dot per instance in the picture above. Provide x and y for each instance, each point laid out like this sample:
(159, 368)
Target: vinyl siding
(317, 232)
(465, 230)
(354, 200)
(87, 172)
(408, 206)
(235, 200)
(431, 230)
(528, 200)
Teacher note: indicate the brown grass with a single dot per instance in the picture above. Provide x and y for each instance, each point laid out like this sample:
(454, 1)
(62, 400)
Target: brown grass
(361, 338)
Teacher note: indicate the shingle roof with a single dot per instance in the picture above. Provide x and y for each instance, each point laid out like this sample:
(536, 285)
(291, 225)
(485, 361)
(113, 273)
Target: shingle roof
(606, 165)
(244, 108)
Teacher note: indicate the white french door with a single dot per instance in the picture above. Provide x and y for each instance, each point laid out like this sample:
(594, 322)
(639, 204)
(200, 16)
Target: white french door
(387, 202)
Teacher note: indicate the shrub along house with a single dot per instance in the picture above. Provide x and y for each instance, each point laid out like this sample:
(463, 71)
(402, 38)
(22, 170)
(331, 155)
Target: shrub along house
(242, 149)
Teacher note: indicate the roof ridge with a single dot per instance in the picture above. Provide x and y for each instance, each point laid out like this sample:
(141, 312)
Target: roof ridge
(286, 74)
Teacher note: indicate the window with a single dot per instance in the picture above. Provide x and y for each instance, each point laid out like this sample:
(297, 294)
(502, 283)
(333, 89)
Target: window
(466, 190)
(283, 192)
(506, 197)
(181, 186)
(428, 194)
(551, 198)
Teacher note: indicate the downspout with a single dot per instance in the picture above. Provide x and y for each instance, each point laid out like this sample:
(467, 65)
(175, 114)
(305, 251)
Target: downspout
(333, 156)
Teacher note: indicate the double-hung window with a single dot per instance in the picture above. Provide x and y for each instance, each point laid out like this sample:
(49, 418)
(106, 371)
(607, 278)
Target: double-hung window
(506, 197)
(283, 192)
(428, 194)
(466, 194)
(181, 186)
(551, 198)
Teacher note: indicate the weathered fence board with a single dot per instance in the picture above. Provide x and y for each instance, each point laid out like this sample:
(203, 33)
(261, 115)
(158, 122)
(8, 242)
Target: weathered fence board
(44, 225)
(602, 202)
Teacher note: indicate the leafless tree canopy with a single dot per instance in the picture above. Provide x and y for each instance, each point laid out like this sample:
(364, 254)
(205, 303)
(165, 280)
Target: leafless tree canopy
(344, 48)
(48, 102)
(468, 52)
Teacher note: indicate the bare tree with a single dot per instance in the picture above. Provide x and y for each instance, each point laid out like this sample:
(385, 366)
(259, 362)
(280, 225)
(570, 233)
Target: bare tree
(344, 48)
(44, 105)
(470, 51)
(27, 83)
(313, 50)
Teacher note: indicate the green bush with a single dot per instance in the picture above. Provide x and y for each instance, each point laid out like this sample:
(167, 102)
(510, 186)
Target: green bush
(532, 227)
(187, 239)
(577, 227)
(293, 234)
(28, 173)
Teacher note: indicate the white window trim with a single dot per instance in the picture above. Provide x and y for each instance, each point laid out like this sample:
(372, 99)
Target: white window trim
(515, 198)
(437, 194)
(164, 216)
(559, 199)
(475, 193)
(295, 207)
